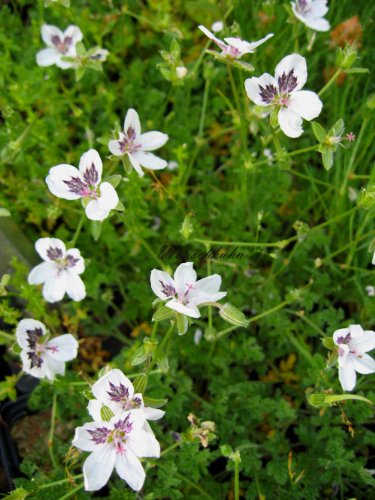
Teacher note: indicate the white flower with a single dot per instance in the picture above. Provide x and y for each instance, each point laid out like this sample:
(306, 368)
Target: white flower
(98, 54)
(284, 92)
(59, 272)
(116, 444)
(370, 291)
(43, 358)
(137, 146)
(181, 71)
(116, 391)
(217, 26)
(59, 45)
(311, 13)
(233, 48)
(373, 259)
(184, 293)
(353, 344)
(70, 183)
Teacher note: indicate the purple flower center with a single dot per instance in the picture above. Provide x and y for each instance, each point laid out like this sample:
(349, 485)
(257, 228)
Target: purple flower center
(120, 395)
(62, 45)
(345, 339)
(127, 141)
(87, 187)
(54, 253)
(287, 82)
(167, 289)
(99, 435)
(302, 6)
(267, 93)
(57, 255)
(116, 436)
(36, 348)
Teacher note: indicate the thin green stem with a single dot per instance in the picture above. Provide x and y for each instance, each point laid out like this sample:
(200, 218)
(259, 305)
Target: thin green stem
(170, 448)
(59, 482)
(236, 480)
(329, 83)
(72, 492)
(239, 109)
(279, 244)
(78, 230)
(52, 430)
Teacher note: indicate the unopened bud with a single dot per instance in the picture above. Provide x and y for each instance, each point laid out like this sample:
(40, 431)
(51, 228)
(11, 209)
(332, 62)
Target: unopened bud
(140, 383)
(233, 315)
(106, 413)
(328, 343)
(366, 198)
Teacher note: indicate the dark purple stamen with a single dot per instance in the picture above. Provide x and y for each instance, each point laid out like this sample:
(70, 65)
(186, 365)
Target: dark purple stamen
(71, 261)
(131, 134)
(91, 175)
(287, 83)
(99, 435)
(54, 253)
(344, 340)
(77, 186)
(62, 45)
(267, 93)
(167, 289)
(302, 6)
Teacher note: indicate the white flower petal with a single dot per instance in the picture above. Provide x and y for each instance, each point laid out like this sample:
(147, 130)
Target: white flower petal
(152, 140)
(190, 310)
(254, 45)
(184, 275)
(318, 8)
(293, 63)
(44, 245)
(153, 413)
(149, 160)
(66, 64)
(94, 408)
(341, 333)
(53, 367)
(208, 285)
(261, 90)
(47, 57)
(23, 327)
(356, 331)
(48, 31)
(319, 24)
(82, 438)
(143, 443)
(74, 33)
(91, 167)
(115, 148)
(102, 388)
(364, 343)
(54, 288)
(132, 121)
(364, 364)
(160, 280)
(130, 469)
(26, 366)
(63, 347)
(347, 375)
(41, 273)
(79, 263)
(136, 164)
(212, 37)
(58, 179)
(95, 212)
(75, 288)
(108, 196)
(305, 103)
(98, 467)
(290, 123)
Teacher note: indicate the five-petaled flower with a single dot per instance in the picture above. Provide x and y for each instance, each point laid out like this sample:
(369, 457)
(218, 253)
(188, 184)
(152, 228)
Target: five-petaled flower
(43, 358)
(284, 93)
(60, 44)
(137, 146)
(116, 444)
(353, 344)
(183, 292)
(233, 47)
(70, 183)
(59, 272)
(115, 391)
(311, 13)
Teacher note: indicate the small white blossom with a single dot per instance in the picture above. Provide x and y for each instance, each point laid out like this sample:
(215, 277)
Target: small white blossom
(370, 291)
(70, 183)
(183, 292)
(43, 358)
(373, 259)
(116, 391)
(60, 44)
(59, 272)
(233, 47)
(311, 13)
(181, 71)
(98, 54)
(116, 444)
(284, 92)
(217, 26)
(137, 146)
(353, 344)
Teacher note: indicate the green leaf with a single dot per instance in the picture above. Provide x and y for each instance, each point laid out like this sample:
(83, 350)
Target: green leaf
(96, 229)
(319, 131)
(337, 129)
(140, 356)
(4, 212)
(327, 158)
(163, 313)
(80, 71)
(115, 179)
(80, 48)
(120, 207)
(6, 338)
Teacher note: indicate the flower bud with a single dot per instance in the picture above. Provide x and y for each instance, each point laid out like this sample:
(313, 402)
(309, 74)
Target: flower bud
(328, 343)
(366, 198)
(233, 315)
(140, 383)
(106, 413)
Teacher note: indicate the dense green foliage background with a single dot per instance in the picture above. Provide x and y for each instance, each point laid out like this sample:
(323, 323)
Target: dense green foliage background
(251, 382)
